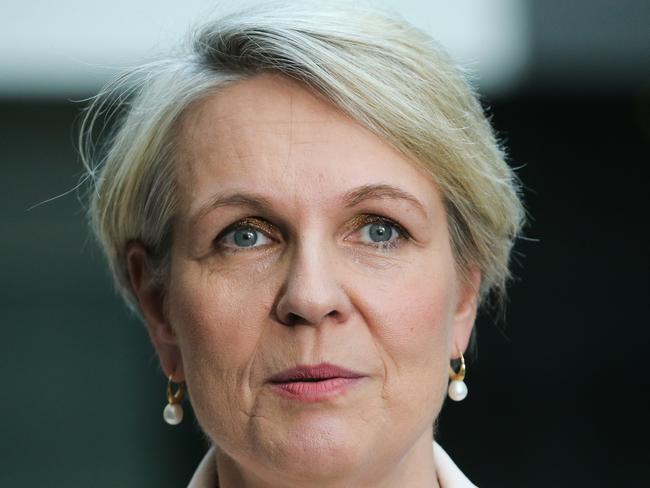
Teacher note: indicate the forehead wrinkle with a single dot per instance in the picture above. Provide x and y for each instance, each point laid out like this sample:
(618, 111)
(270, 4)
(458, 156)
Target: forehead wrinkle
(196, 131)
(294, 125)
(292, 116)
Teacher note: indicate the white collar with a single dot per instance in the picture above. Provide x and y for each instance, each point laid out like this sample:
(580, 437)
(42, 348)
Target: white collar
(448, 473)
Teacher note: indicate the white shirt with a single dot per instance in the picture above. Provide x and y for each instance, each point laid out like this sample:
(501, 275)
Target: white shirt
(448, 473)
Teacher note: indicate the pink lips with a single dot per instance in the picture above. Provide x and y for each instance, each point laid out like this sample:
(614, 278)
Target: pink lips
(314, 383)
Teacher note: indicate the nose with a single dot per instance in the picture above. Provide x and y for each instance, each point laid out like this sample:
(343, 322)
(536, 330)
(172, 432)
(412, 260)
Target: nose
(312, 293)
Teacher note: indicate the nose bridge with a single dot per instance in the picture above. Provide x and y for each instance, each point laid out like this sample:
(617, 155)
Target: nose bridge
(312, 291)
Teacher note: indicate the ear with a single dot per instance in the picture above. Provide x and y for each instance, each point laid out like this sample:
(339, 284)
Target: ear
(465, 312)
(151, 300)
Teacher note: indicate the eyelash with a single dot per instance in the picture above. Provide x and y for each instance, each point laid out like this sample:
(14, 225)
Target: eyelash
(359, 223)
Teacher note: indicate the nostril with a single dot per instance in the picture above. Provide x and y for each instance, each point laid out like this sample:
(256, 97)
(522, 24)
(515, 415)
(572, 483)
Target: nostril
(296, 319)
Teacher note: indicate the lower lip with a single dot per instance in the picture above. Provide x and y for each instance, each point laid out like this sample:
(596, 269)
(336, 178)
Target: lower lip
(315, 391)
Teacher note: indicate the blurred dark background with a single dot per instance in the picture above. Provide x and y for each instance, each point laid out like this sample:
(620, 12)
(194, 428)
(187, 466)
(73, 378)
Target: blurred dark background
(556, 394)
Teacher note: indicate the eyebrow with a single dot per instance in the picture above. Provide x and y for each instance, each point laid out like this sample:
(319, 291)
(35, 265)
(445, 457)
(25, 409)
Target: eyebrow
(350, 199)
(380, 191)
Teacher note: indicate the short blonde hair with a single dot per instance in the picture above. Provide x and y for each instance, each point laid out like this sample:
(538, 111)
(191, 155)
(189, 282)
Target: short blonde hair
(380, 70)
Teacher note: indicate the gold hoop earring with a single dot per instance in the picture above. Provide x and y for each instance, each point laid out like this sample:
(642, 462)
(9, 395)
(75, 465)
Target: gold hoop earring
(173, 412)
(457, 390)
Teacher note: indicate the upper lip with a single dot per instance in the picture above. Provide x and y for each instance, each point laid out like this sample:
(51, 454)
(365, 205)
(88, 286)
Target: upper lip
(320, 371)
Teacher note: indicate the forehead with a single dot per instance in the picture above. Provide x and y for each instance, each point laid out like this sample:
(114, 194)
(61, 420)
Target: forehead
(272, 135)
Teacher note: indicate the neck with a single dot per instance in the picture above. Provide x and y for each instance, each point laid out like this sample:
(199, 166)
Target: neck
(414, 468)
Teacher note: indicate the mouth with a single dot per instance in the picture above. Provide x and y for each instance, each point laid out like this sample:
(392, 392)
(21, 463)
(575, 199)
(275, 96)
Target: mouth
(315, 383)
(304, 380)
(313, 374)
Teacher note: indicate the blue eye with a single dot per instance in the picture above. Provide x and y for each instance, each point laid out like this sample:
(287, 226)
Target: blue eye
(381, 233)
(245, 237)
(372, 231)
(242, 237)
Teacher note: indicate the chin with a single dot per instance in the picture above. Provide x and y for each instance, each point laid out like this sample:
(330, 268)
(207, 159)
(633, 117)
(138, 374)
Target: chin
(322, 448)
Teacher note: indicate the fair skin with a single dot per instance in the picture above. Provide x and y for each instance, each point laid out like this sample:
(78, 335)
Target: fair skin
(344, 257)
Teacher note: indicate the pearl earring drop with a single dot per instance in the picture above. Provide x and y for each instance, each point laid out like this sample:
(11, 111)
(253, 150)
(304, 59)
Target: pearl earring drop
(173, 412)
(457, 390)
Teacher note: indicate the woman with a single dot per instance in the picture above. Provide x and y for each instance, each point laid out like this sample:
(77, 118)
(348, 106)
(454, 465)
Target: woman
(307, 207)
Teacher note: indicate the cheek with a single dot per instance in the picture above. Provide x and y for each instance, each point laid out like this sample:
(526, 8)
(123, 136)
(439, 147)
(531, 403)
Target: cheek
(218, 327)
(416, 320)
(215, 316)
(413, 318)
(414, 310)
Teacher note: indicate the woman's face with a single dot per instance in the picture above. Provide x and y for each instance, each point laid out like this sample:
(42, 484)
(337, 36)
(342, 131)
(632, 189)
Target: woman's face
(304, 239)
